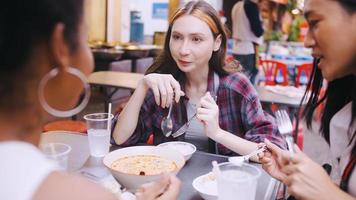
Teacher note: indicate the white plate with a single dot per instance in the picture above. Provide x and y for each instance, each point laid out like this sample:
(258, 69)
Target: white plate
(207, 186)
(185, 148)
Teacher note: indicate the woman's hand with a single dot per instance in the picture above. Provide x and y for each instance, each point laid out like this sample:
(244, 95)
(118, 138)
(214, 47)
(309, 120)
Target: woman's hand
(305, 178)
(164, 88)
(167, 188)
(269, 160)
(208, 113)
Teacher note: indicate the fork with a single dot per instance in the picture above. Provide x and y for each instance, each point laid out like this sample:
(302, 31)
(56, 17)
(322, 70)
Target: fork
(285, 127)
(185, 127)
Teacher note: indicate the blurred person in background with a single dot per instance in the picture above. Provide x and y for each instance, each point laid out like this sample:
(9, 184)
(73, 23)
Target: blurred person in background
(190, 76)
(332, 37)
(42, 40)
(247, 31)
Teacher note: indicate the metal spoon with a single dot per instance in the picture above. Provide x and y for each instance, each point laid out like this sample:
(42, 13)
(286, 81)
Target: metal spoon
(167, 123)
(239, 160)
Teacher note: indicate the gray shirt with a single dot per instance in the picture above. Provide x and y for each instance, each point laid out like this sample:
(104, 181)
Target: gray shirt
(195, 133)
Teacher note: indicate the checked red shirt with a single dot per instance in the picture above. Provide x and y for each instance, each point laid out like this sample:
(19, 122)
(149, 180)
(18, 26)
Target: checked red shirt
(240, 113)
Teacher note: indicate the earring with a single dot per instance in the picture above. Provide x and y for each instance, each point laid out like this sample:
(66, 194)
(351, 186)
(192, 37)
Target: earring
(60, 113)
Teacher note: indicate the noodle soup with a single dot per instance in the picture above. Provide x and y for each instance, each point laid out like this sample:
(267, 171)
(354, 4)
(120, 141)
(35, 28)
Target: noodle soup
(126, 164)
(144, 165)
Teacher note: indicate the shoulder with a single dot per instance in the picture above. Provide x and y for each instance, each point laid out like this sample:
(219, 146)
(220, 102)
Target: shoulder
(65, 186)
(33, 168)
(240, 84)
(250, 7)
(250, 3)
(44, 182)
(236, 5)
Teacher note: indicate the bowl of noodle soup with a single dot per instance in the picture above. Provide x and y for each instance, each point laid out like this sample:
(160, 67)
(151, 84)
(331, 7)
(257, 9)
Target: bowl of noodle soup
(134, 166)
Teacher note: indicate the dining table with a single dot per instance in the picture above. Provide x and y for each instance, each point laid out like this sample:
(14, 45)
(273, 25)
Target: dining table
(135, 52)
(289, 99)
(80, 162)
(127, 80)
(267, 94)
(115, 80)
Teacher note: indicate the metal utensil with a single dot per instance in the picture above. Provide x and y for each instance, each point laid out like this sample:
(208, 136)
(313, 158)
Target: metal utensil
(183, 128)
(167, 123)
(238, 160)
(285, 127)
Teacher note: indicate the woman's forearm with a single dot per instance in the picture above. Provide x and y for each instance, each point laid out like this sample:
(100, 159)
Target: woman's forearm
(337, 193)
(235, 143)
(127, 120)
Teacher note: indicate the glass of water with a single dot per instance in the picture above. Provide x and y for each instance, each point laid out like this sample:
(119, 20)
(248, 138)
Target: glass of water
(99, 128)
(237, 182)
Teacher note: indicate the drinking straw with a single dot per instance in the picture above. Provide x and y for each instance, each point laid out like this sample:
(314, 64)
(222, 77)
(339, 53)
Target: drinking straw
(216, 169)
(52, 149)
(109, 119)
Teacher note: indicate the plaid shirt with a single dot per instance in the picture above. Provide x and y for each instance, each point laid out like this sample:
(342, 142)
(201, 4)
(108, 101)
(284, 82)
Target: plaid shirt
(240, 113)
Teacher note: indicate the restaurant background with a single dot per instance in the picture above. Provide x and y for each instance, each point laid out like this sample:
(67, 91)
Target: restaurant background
(109, 20)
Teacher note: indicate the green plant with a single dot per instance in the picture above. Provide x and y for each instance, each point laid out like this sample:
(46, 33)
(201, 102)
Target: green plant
(294, 30)
(273, 35)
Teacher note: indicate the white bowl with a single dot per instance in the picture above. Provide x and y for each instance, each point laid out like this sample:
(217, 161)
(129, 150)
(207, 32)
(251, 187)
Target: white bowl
(185, 148)
(131, 181)
(207, 186)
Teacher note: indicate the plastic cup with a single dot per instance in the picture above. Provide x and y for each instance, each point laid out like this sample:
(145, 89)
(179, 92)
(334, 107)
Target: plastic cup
(237, 182)
(99, 133)
(58, 152)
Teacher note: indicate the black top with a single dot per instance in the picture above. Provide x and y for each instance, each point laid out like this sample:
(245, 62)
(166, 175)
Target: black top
(253, 15)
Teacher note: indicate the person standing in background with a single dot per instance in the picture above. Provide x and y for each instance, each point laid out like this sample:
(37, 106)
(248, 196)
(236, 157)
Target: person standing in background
(247, 33)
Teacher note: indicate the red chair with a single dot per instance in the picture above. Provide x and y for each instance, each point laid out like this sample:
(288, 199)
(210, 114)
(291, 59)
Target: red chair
(271, 69)
(300, 135)
(320, 109)
(306, 68)
(150, 139)
(229, 58)
(66, 125)
(300, 140)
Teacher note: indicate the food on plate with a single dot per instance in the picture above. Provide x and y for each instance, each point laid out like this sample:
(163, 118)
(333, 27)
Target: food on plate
(144, 165)
(209, 182)
(207, 186)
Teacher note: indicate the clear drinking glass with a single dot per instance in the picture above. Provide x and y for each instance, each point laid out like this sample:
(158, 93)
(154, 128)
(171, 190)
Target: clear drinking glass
(99, 133)
(58, 152)
(237, 182)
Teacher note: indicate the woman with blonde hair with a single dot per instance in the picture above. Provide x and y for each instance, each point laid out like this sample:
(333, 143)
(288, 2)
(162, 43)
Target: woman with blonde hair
(223, 109)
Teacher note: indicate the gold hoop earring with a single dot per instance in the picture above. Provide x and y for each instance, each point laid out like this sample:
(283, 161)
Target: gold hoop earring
(60, 113)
